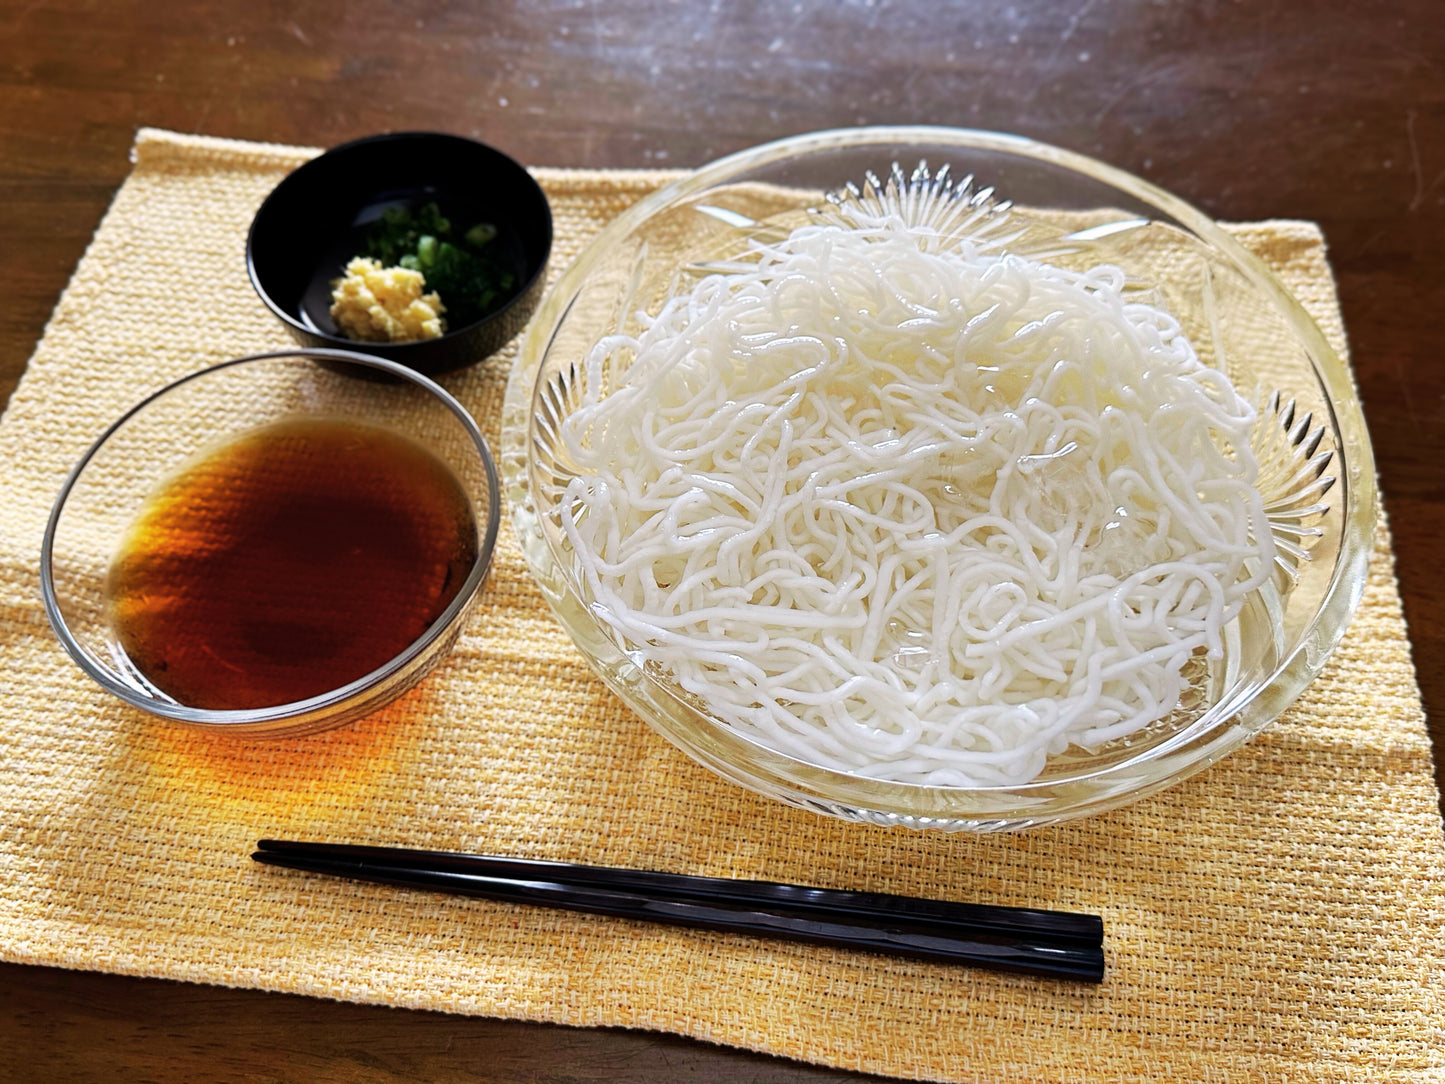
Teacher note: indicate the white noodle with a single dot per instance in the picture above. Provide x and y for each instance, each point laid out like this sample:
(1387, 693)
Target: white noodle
(915, 513)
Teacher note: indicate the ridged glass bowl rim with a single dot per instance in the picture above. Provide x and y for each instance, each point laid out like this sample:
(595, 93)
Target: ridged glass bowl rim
(338, 698)
(1356, 488)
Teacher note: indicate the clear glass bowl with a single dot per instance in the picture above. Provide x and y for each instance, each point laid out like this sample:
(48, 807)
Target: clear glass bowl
(106, 490)
(1012, 195)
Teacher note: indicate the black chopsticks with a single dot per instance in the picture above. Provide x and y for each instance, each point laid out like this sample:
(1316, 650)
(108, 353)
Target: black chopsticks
(1035, 942)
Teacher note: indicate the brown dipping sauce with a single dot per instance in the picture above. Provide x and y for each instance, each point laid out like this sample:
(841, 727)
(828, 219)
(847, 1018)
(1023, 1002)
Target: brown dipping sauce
(287, 562)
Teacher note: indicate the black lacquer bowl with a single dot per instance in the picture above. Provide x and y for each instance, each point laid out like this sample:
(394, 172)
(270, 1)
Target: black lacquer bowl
(316, 220)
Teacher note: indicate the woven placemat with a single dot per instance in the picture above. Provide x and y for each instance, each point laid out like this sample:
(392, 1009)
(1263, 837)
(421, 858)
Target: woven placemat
(1278, 917)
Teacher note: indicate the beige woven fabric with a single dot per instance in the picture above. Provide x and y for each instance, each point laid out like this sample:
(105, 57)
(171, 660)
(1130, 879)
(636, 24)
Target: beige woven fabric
(1279, 917)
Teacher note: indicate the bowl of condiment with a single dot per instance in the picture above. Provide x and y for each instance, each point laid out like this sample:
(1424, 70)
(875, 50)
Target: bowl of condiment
(425, 248)
(271, 546)
(938, 478)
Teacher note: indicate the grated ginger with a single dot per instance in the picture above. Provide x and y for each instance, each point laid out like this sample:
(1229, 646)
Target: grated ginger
(371, 303)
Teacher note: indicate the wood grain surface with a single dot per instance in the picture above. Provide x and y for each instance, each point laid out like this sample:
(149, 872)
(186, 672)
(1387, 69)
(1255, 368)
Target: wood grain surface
(1330, 112)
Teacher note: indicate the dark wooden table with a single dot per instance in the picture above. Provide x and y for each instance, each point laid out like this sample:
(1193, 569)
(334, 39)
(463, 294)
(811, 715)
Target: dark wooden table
(1331, 112)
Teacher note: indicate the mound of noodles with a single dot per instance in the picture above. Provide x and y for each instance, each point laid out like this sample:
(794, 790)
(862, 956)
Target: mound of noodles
(915, 511)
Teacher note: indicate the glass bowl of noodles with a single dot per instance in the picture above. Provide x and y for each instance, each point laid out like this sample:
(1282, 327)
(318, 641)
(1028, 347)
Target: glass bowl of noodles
(938, 478)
